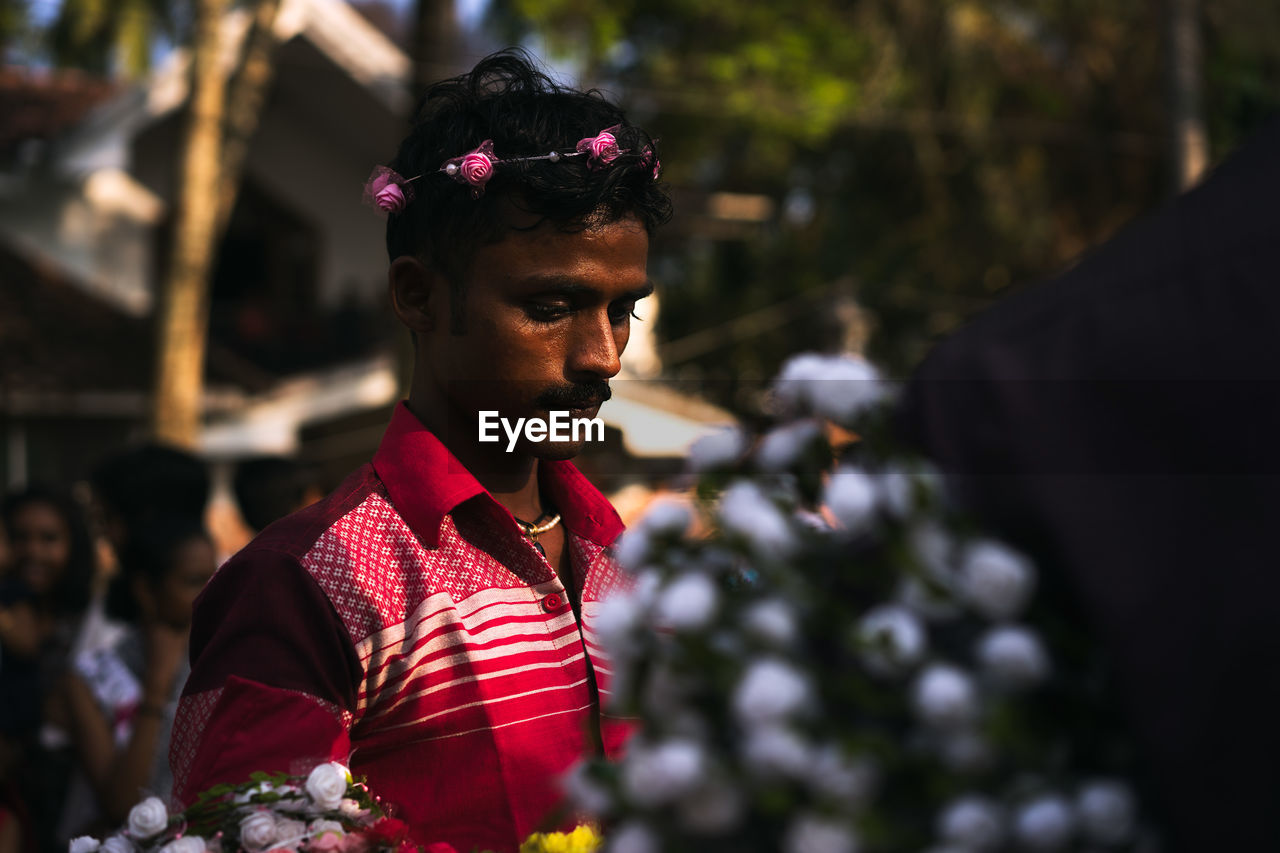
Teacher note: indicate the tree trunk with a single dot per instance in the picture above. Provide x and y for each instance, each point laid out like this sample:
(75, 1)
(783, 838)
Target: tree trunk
(1185, 58)
(183, 305)
(222, 122)
(435, 35)
(246, 97)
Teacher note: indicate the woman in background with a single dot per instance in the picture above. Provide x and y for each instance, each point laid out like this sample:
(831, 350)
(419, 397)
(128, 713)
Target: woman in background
(117, 702)
(43, 595)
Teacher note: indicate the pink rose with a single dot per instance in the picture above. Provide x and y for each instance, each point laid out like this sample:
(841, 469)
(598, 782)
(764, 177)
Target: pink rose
(355, 842)
(651, 160)
(390, 198)
(600, 149)
(476, 168)
(604, 148)
(330, 842)
(387, 190)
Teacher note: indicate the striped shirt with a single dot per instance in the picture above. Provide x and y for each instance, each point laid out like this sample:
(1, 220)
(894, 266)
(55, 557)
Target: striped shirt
(405, 626)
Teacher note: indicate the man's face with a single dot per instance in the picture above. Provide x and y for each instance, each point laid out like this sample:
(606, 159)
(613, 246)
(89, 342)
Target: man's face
(547, 316)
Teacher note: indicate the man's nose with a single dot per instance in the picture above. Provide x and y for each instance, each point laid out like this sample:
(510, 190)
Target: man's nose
(595, 347)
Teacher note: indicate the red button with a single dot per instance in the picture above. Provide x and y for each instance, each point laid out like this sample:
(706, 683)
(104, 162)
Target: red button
(551, 602)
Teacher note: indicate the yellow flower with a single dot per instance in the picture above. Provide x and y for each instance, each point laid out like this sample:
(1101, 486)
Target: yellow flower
(584, 839)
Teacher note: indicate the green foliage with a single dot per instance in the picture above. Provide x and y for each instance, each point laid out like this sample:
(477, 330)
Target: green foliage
(947, 149)
(110, 36)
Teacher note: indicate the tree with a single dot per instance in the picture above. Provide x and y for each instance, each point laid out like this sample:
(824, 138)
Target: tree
(103, 37)
(932, 154)
(182, 315)
(223, 112)
(1188, 136)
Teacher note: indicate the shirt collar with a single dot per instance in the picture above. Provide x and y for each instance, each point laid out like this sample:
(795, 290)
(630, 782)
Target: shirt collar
(426, 482)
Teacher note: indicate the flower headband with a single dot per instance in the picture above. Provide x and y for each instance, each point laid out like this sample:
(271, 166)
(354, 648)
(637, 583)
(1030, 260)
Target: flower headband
(390, 192)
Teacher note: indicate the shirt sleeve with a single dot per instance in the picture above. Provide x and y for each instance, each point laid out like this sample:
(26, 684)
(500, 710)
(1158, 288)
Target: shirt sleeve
(274, 677)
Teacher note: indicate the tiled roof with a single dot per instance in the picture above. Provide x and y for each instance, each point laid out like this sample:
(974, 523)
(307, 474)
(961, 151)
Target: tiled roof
(40, 105)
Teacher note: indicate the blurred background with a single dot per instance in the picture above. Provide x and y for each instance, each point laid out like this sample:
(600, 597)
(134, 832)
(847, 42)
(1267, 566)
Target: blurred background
(183, 255)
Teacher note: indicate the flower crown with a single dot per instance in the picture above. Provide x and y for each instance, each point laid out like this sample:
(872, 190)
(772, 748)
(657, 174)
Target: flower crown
(390, 192)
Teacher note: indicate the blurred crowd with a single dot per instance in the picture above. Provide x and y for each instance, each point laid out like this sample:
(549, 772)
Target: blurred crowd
(96, 592)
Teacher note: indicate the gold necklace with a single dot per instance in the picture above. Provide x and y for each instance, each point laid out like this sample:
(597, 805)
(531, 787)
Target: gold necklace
(532, 530)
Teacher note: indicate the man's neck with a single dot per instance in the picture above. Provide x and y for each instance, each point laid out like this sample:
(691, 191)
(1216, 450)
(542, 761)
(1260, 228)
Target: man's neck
(511, 478)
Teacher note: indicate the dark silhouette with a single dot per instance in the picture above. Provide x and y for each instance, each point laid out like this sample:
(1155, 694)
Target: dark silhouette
(1122, 423)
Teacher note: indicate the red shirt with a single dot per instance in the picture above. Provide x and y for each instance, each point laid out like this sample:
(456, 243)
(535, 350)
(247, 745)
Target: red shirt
(405, 626)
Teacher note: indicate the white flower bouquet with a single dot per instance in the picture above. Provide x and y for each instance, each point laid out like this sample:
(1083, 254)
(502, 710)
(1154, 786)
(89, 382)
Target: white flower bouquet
(838, 662)
(326, 811)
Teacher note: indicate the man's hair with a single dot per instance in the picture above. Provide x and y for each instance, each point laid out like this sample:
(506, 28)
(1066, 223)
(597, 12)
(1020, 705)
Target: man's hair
(152, 479)
(508, 100)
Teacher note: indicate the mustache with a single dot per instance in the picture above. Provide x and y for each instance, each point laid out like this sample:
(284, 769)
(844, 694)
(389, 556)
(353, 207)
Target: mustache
(580, 395)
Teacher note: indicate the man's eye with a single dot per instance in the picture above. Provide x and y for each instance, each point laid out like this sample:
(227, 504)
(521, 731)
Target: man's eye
(547, 311)
(619, 313)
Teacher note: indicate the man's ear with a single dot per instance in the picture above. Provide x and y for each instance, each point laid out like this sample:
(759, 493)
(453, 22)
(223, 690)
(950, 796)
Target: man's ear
(418, 294)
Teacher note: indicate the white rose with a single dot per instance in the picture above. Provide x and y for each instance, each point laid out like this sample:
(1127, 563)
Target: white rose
(770, 691)
(83, 844)
(321, 826)
(717, 449)
(148, 818)
(1107, 812)
(935, 549)
(793, 389)
(747, 511)
(780, 449)
(849, 782)
(327, 785)
(185, 844)
(653, 775)
(117, 844)
(667, 517)
(772, 751)
(893, 639)
(632, 838)
(847, 388)
(289, 832)
(1012, 657)
(972, 823)
(258, 830)
(615, 622)
(836, 387)
(996, 580)
(851, 496)
(811, 834)
(632, 549)
(713, 809)
(945, 697)
(1044, 824)
(585, 793)
(688, 603)
(771, 620)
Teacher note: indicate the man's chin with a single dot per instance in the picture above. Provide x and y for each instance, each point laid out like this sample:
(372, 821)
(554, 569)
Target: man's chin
(554, 451)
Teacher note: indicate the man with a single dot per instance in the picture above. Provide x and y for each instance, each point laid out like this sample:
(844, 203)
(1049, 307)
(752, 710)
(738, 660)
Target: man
(430, 621)
(1121, 423)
